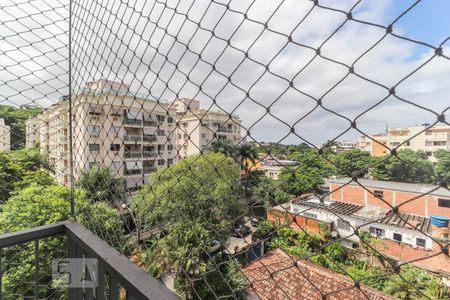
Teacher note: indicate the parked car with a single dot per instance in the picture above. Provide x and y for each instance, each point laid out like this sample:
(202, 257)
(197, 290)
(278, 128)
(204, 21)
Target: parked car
(240, 230)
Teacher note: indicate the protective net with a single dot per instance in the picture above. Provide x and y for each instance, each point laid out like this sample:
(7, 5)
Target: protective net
(233, 149)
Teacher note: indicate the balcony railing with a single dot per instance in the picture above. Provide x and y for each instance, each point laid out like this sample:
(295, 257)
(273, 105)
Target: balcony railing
(150, 123)
(149, 138)
(132, 122)
(135, 154)
(132, 138)
(150, 154)
(114, 274)
(226, 130)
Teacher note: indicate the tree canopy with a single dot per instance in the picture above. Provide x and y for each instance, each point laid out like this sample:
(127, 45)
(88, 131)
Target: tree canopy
(406, 166)
(352, 163)
(442, 167)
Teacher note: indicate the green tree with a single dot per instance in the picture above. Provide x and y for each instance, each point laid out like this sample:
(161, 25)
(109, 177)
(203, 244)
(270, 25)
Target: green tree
(15, 117)
(264, 230)
(414, 283)
(101, 185)
(17, 164)
(300, 180)
(195, 199)
(352, 163)
(269, 192)
(442, 167)
(406, 166)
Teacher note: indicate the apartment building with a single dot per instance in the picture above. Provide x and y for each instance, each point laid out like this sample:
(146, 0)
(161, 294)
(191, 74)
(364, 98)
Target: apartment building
(130, 133)
(341, 146)
(198, 128)
(32, 132)
(375, 144)
(5, 136)
(420, 138)
(273, 167)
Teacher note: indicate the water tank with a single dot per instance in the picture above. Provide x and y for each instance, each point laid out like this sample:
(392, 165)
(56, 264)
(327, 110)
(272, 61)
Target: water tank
(439, 221)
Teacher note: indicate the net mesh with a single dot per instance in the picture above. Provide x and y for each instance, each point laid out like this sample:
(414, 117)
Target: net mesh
(235, 148)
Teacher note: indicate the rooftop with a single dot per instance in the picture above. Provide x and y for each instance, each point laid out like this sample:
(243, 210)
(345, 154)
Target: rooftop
(335, 207)
(395, 185)
(276, 275)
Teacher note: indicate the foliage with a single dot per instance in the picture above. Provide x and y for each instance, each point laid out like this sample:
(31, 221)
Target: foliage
(280, 149)
(300, 180)
(270, 193)
(200, 189)
(352, 163)
(314, 160)
(15, 117)
(406, 166)
(17, 169)
(442, 168)
(264, 229)
(222, 280)
(101, 185)
(414, 283)
(195, 198)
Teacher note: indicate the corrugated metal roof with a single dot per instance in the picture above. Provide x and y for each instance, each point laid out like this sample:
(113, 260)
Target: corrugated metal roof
(408, 221)
(335, 207)
(397, 186)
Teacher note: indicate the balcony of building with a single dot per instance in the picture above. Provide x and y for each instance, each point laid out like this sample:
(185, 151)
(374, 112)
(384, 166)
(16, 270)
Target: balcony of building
(110, 274)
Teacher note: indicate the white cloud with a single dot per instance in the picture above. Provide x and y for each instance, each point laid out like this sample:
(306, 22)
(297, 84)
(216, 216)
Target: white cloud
(127, 41)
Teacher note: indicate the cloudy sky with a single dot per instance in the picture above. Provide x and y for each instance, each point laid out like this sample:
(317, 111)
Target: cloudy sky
(254, 58)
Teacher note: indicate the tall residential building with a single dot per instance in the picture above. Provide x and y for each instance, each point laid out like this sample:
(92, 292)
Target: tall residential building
(422, 137)
(32, 132)
(198, 128)
(375, 144)
(5, 136)
(130, 133)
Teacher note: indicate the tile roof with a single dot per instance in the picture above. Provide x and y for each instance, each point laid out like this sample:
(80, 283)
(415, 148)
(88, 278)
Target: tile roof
(395, 185)
(274, 276)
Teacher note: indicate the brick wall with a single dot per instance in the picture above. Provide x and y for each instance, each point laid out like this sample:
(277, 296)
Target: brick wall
(426, 205)
(295, 222)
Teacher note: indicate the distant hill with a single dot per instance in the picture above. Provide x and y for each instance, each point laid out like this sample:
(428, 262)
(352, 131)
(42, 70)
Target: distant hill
(16, 117)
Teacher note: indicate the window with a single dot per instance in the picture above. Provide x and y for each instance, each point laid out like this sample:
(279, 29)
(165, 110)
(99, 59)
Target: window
(160, 147)
(179, 136)
(397, 237)
(160, 118)
(203, 136)
(161, 162)
(161, 132)
(170, 120)
(115, 147)
(93, 129)
(377, 232)
(378, 194)
(343, 224)
(170, 161)
(420, 242)
(94, 147)
(444, 203)
(169, 147)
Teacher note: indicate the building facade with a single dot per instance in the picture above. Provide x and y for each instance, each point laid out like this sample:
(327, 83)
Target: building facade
(375, 144)
(131, 134)
(5, 136)
(32, 132)
(198, 128)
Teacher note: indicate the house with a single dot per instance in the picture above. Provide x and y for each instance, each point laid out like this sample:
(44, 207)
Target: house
(277, 276)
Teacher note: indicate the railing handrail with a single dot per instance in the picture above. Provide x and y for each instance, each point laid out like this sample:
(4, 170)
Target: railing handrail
(136, 281)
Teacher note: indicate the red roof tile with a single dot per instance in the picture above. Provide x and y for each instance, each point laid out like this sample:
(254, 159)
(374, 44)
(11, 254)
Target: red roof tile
(275, 276)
